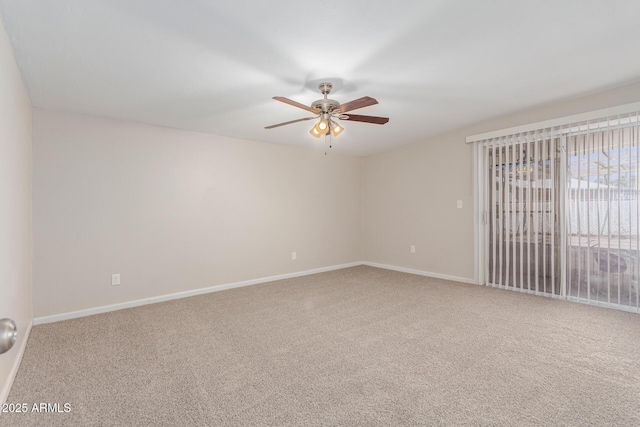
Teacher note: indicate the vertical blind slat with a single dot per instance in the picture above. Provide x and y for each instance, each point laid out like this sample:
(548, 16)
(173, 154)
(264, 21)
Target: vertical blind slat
(618, 191)
(521, 210)
(500, 227)
(545, 214)
(529, 218)
(609, 139)
(536, 204)
(587, 139)
(493, 190)
(514, 210)
(552, 218)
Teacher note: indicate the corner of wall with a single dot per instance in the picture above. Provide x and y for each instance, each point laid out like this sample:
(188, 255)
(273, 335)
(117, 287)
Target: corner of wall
(16, 168)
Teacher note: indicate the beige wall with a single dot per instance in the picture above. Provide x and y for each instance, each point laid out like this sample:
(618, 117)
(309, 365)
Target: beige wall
(176, 211)
(15, 205)
(173, 211)
(410, 194)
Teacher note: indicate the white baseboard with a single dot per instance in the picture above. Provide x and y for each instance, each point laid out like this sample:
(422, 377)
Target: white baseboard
(16, 364)
(185, 294)
(161, 298)
(421, 273)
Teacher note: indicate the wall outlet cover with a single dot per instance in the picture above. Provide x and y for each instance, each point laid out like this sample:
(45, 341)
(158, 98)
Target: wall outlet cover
(115, 279)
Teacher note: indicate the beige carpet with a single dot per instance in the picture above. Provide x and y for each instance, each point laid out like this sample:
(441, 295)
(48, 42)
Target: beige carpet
(360, 346)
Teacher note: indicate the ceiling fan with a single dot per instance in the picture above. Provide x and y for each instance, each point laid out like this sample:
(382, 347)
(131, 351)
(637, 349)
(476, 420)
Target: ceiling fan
(329, 111)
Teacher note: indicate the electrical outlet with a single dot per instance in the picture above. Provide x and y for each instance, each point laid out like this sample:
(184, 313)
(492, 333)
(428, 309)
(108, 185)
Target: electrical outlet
(459, 204)
(294, 255)
(413, 249)
(115, 279)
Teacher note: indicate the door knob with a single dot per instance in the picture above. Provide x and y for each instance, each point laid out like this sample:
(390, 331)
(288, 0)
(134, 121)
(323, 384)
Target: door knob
(8, 334)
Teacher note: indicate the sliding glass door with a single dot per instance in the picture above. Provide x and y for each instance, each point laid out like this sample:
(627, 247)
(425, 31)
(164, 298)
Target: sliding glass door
(561, 213)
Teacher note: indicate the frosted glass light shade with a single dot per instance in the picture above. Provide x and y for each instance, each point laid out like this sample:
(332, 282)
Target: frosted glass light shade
(336, 129)
(315, 132)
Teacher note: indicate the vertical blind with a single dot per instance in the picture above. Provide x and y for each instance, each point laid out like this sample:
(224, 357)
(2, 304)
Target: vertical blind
(523, 210)
(561, 211)
(602, 262)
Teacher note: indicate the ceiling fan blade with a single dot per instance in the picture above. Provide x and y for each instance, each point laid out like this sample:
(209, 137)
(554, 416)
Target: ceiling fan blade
(367, 119)
(296, 104)
(365, 101)
(289, 122)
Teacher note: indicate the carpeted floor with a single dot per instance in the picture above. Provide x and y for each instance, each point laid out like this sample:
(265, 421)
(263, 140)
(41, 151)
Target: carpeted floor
(360, 346)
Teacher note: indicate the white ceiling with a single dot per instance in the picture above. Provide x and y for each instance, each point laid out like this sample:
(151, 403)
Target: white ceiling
(213, 66)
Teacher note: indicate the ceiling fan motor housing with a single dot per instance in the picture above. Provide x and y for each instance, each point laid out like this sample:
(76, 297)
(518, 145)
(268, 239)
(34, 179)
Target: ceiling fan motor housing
(325, 105)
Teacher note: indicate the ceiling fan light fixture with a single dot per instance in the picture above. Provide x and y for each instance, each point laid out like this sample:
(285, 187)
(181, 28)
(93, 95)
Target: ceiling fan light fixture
(336, 129)
(315, 132)
(321, 128)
